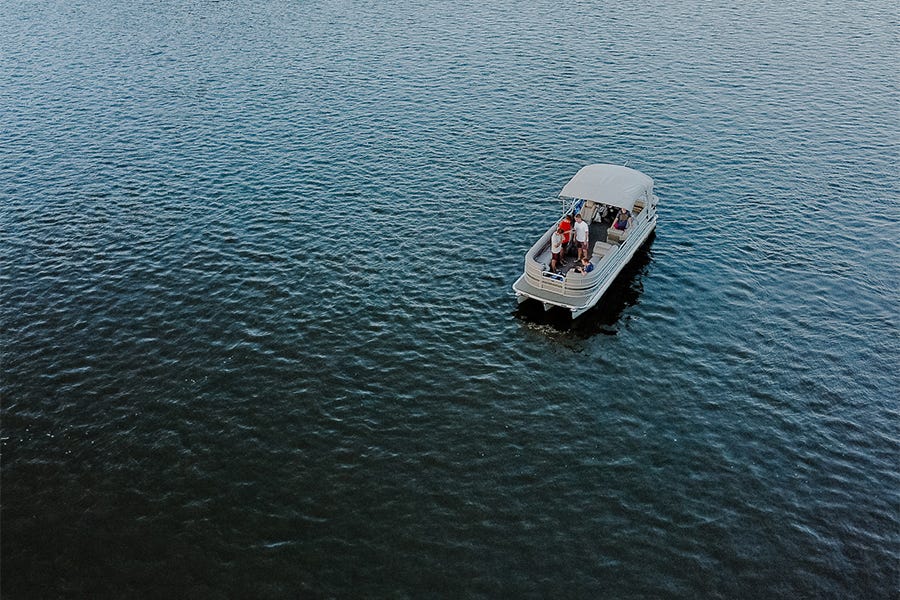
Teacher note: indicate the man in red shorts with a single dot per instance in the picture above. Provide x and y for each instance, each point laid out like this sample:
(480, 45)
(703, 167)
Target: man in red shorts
(556, 247)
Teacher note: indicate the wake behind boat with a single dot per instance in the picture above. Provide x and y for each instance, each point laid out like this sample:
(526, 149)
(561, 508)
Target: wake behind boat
(608, 198)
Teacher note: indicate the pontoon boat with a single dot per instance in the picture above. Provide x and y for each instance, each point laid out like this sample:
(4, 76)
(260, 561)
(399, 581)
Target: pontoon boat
(597, 192)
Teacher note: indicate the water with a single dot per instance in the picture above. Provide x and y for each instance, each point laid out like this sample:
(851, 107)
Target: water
(258, 332)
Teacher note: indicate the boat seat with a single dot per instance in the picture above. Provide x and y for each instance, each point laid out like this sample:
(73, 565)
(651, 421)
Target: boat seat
(638, 207)
(600, 250)
(617, 235)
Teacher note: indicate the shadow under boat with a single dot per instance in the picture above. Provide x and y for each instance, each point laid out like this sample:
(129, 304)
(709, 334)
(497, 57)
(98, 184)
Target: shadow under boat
(625, 291)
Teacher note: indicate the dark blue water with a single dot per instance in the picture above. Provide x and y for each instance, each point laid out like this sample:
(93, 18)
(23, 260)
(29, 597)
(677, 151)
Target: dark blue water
(258, 337)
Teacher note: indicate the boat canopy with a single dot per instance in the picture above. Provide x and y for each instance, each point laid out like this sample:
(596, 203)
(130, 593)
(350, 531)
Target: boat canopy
(609, 184)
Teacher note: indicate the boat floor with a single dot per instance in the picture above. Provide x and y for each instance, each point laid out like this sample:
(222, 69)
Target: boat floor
(597, 233)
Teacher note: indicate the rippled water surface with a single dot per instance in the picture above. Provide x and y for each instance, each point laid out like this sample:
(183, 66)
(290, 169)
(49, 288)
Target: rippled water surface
(258, 332)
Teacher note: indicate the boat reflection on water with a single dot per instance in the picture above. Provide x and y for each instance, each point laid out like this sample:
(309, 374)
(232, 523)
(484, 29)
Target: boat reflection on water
(603, 318)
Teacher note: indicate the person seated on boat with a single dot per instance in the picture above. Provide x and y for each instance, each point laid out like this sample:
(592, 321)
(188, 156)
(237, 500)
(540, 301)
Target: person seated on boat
(556, 247)
(585, 266)
(582, 233)
(621, 221)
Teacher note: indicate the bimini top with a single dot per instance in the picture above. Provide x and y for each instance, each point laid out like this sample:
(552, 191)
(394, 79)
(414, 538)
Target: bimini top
(608, 184)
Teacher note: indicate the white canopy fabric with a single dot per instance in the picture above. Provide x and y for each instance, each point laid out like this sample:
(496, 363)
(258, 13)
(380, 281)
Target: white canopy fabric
(608, 184)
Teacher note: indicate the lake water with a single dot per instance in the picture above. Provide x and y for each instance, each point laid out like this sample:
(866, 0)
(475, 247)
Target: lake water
(259, 339)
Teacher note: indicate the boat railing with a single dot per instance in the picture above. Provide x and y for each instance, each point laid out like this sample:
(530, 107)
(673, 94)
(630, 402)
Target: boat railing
(572, 283)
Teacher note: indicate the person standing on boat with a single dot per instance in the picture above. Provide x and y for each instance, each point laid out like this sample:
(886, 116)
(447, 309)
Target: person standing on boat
(556, 246)
(566, 226)
(582, 232)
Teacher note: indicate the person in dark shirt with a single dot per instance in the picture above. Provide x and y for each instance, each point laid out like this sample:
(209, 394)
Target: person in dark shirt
(621, 222)
(585, 266)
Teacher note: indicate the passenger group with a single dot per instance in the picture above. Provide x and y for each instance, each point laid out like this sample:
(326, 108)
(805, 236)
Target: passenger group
(561, 239)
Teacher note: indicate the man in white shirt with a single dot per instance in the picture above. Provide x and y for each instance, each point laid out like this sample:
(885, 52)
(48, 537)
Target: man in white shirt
(581, 236)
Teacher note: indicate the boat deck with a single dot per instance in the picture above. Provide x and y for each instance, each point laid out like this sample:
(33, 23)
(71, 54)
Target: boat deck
(576, 294)
(596, 234)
